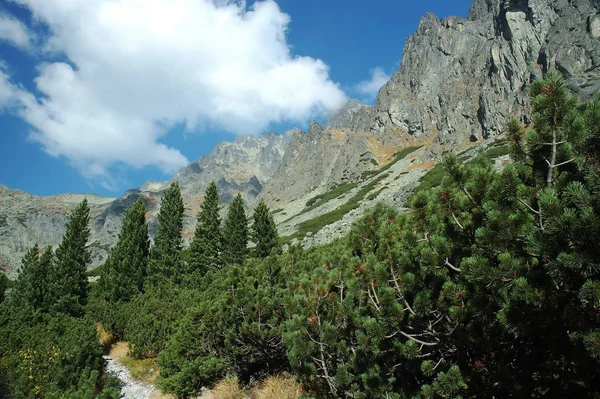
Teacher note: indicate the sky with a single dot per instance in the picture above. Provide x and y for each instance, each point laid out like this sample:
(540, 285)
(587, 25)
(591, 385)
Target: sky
(98, 96)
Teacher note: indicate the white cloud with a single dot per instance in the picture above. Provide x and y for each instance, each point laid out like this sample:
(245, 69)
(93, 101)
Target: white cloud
(141, 67)
(15, 32)
(369, 88)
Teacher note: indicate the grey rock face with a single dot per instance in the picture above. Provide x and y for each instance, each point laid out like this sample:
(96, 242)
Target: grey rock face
(27, 219)
(460, 79)
(310, 157)
(348, 115)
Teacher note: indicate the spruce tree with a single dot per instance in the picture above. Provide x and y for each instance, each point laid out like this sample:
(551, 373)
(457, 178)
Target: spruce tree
(207, 244)
(68, 279)
(235, 233)
(125, 271)
(165, 258)
(31, 287)
(264, 231)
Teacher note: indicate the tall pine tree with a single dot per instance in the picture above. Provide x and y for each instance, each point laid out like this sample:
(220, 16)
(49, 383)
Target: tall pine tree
(68, 279)
(551, 146)
(165, 257)
(207, 245)
(235, 233)
(125, 271)
(264, 231)
(31, 287)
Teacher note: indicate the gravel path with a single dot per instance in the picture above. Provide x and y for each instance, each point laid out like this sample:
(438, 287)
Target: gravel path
(130, 389)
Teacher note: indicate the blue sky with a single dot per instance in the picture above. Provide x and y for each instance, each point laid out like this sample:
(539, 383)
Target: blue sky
(100, 96)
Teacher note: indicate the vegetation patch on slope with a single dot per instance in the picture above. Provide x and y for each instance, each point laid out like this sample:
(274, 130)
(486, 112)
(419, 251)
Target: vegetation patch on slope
(321, 199)
(334, 193)
(399, 156)
(343, 188)
(317, 223)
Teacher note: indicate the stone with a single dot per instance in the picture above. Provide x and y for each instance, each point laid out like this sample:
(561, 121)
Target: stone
(594, 26)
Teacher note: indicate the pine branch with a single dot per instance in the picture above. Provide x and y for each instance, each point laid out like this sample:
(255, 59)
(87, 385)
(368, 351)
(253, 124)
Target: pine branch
(451, 266)
(457, 222)
(566, 162)
(412, 337)
(558, 143)
(528, 206)
(375, 293)
(401, 295)
(373, 300)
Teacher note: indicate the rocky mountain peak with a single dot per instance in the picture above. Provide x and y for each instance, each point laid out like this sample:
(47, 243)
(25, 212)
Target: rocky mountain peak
(346, 115)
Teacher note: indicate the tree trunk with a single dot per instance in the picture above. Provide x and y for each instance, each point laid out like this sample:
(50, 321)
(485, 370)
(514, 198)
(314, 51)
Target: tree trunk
(552, 162)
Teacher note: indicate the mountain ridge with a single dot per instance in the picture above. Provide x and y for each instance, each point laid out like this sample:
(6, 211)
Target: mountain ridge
(459, 81)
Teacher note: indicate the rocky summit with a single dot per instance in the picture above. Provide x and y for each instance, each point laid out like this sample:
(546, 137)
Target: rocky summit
(460, 79)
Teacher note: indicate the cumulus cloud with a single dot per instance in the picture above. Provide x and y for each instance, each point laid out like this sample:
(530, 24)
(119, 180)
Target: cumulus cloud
(369, 88)
(136, 68)
(15, 32)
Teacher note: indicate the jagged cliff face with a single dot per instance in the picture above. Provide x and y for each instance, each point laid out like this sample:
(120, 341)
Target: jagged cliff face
(459, 81)
(27, 219)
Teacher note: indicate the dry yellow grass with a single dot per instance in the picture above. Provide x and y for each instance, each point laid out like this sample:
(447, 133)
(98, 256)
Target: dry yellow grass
(119, 351)
(160, 395)
(145, 370)
(281, 387)
(228, 388)
(106, 338)
(337, 134)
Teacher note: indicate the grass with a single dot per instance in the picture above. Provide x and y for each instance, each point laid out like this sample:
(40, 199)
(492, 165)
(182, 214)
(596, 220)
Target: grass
(276, 211)
(491, 152)
(341, 189)
(399, 156)
(228, 388)
(106, 338)
(319, 200)
(280, 387)
(433, 178)
(329, 195)
(316, 224)
(145, 370)
(374, 195)
(497, 151)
